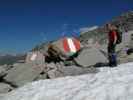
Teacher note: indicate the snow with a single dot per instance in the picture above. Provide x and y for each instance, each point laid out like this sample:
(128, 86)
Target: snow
(108, 84)
(87, 29)
(33, 57)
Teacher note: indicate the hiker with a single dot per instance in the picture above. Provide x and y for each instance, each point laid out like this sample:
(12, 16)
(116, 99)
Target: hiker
(112, 42)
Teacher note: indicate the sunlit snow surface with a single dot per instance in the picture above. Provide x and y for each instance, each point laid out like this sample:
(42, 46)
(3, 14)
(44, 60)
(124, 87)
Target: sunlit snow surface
(108, 84)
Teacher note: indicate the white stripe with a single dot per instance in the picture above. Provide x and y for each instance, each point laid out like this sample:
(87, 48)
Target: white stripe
(33, 57)
(71, 45)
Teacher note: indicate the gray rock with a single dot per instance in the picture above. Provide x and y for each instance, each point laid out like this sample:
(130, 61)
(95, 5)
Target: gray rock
(51, 65)
(73, 70)
(23, 73)
(5, 88)
(54, 74)
(2, 71)
(35, 57)
(69, 71)
(55, 70)
(42, 77)
(91, 56)
(8, 67)
(48, 66)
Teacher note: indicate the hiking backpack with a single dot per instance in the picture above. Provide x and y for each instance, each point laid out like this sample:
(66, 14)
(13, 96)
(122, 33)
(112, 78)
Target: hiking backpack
(119, 36)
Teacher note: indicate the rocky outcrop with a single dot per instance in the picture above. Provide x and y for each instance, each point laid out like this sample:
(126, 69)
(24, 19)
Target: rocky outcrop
(124, 21)
(23, 73)
(5, 88)
(90, 56)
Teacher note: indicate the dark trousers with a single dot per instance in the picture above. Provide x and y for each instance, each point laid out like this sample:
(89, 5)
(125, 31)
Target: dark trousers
(112, 55)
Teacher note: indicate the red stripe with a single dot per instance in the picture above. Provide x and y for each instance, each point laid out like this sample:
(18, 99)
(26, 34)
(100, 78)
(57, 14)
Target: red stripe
(65, 45)
(77, 44)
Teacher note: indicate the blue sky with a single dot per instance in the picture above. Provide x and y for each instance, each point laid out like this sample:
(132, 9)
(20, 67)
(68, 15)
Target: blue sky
(25, 23)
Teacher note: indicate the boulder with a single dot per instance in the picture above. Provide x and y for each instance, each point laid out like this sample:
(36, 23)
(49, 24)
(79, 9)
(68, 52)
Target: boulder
(51, 66)
(23, 73)
(54, 74)
(5, 88)
(90, 56)
(55, 70)
(2, 71)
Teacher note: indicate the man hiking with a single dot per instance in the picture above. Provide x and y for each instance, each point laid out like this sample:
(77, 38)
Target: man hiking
(112, 41)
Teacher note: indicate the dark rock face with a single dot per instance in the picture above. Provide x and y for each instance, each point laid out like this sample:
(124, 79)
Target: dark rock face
(23, 73)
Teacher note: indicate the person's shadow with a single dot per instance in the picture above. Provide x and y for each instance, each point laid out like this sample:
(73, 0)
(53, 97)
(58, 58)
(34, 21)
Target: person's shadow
(101, 64)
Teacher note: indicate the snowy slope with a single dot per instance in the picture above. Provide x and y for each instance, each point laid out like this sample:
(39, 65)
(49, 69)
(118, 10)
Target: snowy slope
(108, 84)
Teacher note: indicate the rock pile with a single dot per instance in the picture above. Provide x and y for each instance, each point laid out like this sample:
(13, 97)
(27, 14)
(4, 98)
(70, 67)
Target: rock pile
(35, 68)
